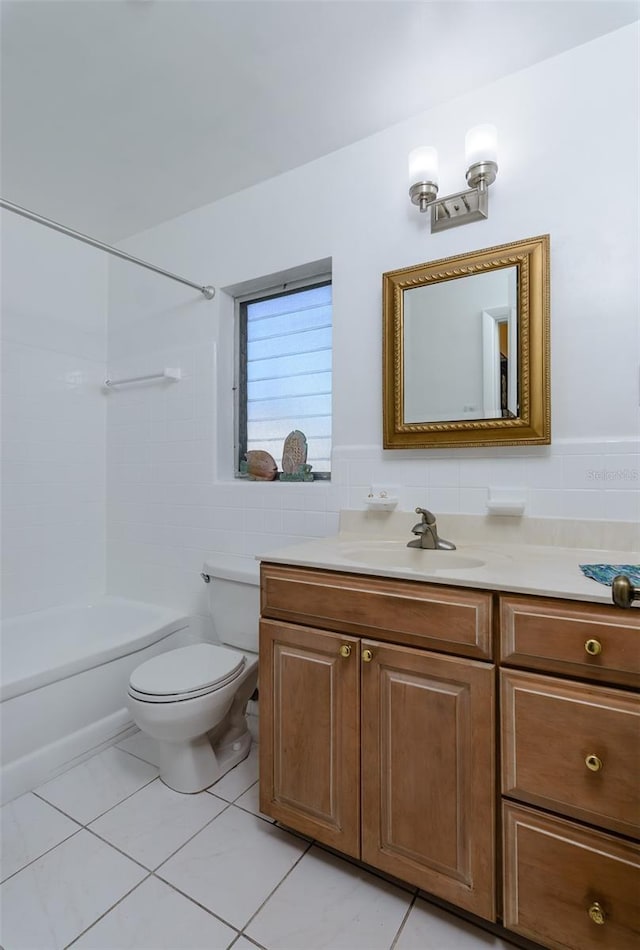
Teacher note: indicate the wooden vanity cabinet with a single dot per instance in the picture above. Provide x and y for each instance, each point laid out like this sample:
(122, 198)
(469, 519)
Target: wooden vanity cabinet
(570, 754)
(382, 750)
(377, 738)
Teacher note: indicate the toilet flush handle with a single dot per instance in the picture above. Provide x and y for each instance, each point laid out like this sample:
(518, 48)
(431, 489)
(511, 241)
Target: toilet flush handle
(205, 577)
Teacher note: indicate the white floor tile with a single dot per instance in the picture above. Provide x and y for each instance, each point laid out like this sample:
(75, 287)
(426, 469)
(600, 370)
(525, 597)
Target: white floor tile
(328, 903)
(89, 789)
(154, 822)
(62, 881)
(142, 746)
(155, 916)
(29, 828)
(50, 902)
(239, 779)
(250, 801)
(430, 928)
(233, 864)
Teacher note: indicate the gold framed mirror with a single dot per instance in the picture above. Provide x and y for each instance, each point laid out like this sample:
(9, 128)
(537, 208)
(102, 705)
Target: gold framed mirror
(466, 349)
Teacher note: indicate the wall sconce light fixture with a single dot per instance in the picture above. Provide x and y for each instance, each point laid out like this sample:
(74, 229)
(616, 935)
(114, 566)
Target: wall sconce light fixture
(465, 206)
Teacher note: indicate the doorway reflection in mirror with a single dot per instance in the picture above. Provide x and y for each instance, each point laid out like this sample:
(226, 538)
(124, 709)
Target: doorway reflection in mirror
(461, 348)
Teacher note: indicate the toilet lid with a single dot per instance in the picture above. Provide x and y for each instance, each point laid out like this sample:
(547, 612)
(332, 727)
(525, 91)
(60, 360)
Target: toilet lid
(198, 668)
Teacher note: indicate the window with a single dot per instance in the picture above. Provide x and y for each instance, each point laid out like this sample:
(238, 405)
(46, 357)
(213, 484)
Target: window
(284, 379)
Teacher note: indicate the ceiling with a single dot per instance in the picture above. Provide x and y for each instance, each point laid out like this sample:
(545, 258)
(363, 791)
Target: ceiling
(120, 114)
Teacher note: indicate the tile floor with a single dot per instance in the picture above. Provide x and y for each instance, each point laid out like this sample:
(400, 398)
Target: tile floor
(106, 856)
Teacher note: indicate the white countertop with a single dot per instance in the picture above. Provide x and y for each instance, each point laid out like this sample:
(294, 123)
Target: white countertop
(548, 571)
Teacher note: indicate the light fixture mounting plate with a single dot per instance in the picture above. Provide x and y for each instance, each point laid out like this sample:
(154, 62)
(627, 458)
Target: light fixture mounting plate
(461, 208)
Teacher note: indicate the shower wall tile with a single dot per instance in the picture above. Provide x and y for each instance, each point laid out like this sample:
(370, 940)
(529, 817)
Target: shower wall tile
(53, 419)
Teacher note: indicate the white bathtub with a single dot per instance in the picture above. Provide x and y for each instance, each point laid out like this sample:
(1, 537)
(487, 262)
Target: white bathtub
(64, 677)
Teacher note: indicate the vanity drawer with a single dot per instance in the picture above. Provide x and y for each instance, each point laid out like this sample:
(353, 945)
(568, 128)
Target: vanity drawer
(591, 641)
(571, 748)
(450, 619)
(559, 876)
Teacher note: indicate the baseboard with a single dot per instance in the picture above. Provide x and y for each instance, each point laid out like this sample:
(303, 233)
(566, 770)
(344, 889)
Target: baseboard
(23, 775)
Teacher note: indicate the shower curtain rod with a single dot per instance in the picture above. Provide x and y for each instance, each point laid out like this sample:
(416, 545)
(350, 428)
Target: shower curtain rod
(206, 290)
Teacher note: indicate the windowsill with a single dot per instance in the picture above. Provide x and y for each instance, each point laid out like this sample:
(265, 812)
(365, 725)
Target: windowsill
(323, 480)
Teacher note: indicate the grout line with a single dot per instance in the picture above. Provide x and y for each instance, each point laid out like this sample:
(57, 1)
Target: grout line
(110, 808)
(254, 813)
(194, 835)
(272, 892)
(108, 911)
(197, 903)
(404, 920)
(207, 909)
(37, 858)
(211, 788)
(227, 805)
(251, 940)
(134, 755)
(119, 850)
(57, 808)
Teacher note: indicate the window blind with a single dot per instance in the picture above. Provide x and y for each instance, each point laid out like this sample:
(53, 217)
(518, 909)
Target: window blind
(288, 367)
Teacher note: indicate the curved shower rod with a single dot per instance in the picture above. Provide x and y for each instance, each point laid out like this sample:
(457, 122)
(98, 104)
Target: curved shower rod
(207, 291)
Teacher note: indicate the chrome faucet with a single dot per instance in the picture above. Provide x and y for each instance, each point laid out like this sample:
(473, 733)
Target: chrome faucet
(427, 532)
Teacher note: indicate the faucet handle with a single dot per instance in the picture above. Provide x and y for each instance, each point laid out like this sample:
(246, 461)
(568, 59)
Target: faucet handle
(427, 516)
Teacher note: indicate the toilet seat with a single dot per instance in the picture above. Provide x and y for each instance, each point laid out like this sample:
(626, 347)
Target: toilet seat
(185, 673)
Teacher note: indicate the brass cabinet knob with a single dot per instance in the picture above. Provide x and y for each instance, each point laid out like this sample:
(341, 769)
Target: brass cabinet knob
(345, 650)
(593, 647)
(596, 913)
(623, 592)
(593, 763)
(367, 656)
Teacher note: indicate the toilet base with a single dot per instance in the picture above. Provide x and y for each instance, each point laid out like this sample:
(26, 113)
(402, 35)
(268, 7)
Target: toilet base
(193, 765)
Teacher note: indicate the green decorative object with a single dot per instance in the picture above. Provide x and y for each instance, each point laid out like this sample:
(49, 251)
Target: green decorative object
(302, 475)
(294, 458)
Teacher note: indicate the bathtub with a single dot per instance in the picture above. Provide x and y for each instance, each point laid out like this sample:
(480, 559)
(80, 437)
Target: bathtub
(64, 677)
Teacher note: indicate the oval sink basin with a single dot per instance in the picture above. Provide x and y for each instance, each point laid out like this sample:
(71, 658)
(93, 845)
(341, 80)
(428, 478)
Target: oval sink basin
(396, 554)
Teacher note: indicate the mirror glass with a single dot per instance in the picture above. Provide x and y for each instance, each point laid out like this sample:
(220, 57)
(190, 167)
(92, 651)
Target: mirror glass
(469, 328)
(466, 344)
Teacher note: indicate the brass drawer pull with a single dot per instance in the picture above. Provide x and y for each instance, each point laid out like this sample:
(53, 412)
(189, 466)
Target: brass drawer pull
(596, 913)
(593, 647)
(593, 763)
(345, 650)
(367, 656)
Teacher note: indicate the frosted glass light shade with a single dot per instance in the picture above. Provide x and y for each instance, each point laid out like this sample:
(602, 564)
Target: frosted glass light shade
(481, 144)
(423, 165)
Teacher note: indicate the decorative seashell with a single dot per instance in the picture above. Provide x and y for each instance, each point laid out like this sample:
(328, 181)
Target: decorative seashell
(261, 466)
(294, 452)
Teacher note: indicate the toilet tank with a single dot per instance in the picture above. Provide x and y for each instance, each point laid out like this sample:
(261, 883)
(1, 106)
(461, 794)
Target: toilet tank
(234, 599)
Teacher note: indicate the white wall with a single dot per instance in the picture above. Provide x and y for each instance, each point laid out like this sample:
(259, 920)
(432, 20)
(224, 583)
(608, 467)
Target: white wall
(54, 308)
(568, 166)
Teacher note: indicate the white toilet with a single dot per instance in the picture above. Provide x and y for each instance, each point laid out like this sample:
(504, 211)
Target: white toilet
(193, 700)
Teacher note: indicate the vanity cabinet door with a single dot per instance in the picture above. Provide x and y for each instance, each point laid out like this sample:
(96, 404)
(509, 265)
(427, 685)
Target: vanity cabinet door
(428, 772)
(310, 732)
